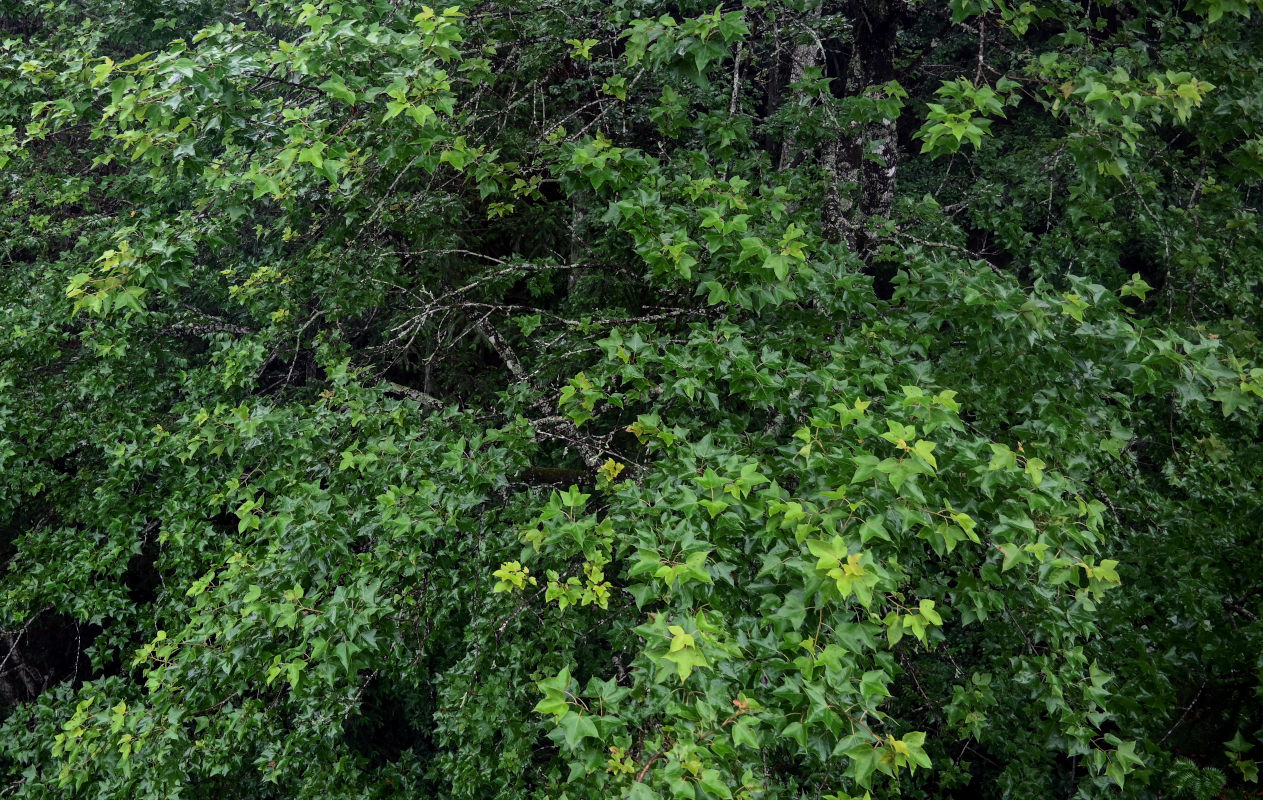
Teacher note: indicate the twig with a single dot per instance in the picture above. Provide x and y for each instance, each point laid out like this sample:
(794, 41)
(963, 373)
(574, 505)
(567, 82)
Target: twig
(13, 644)
(1187, 710)
(645, 771)
(947, 246)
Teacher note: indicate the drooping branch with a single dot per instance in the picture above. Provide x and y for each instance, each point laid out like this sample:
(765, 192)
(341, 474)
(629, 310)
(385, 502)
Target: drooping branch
(589, 450)
(421, 397)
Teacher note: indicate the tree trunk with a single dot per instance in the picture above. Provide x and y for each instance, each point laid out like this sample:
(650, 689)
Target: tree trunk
(805, 55)
(863, 163)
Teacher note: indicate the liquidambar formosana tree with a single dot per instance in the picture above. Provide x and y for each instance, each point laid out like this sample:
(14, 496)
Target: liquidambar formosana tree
(574, 400)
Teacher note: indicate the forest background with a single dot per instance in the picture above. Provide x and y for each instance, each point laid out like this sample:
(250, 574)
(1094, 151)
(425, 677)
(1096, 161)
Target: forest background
(572, 399)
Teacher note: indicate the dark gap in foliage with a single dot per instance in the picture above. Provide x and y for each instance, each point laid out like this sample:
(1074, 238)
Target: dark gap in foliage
(49, 649)
(389, 721)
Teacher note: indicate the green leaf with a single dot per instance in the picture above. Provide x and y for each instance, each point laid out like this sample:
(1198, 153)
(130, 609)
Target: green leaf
(863, 762)
(1035, 469)
(925, 450)
(336, 88)
(640, 791)
(577, 727)
(745, 731)
(713, 782)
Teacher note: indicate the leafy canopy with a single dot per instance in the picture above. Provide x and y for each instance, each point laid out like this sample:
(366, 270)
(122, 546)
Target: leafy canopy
(615, 400)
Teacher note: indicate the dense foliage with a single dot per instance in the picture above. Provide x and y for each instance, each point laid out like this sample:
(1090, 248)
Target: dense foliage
(784, 399)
